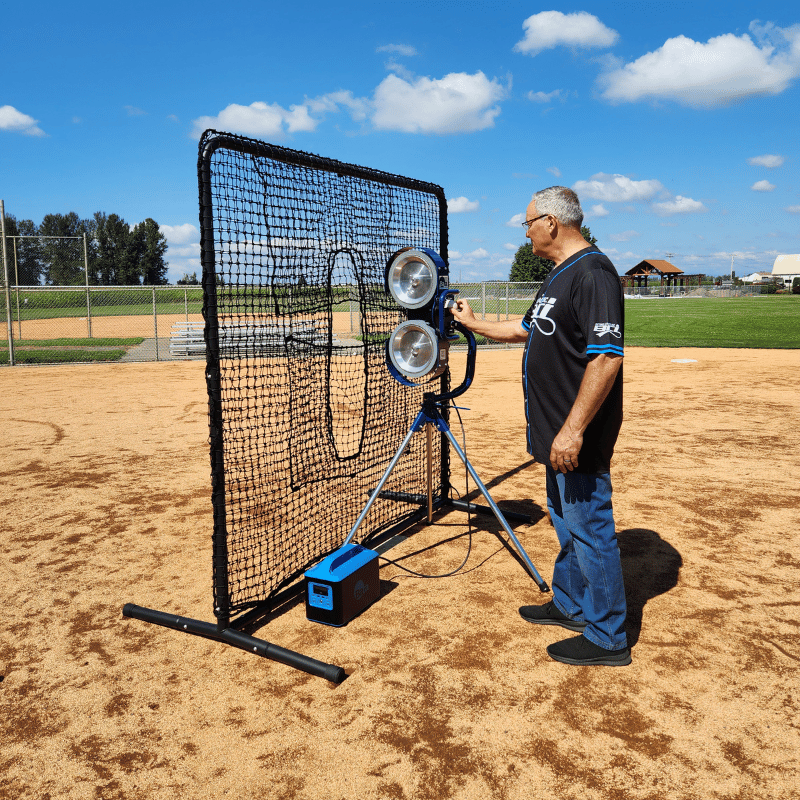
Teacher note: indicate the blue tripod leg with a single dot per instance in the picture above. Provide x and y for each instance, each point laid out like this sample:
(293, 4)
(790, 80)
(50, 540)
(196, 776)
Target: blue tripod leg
(442, 425)
(415, 426)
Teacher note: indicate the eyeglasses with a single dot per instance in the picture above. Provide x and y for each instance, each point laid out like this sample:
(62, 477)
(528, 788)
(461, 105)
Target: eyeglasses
(529, 222)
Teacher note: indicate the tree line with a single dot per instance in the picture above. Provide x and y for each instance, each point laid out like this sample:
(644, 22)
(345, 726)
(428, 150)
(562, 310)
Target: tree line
(117, 253)
(528, 267)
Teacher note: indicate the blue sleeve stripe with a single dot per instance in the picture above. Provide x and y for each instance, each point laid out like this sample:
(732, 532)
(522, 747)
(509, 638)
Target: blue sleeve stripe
(610, 349)
(525, 324)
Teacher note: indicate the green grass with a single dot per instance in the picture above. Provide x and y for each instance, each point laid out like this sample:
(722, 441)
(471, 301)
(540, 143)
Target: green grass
(766, 321)
(53, 356)
(94, 342)
(64, 351)
(771, 321)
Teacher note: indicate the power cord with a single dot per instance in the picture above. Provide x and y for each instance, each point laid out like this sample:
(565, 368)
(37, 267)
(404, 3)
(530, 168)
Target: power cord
(458, 569)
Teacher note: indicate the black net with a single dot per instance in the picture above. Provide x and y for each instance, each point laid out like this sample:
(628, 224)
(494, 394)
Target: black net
(304, 414)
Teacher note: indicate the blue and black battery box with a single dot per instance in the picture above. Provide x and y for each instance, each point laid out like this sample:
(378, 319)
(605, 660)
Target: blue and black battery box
(341, 586)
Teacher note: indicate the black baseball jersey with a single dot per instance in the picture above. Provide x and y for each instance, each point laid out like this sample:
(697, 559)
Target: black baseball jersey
(578, 313)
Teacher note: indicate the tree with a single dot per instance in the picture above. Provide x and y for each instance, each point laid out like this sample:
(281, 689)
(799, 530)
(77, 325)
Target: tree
(529, 267)
(153, 248)
(24, 254)
(129, 256)
(796, 285)
(62, 259)
(29, 254)
(188, 280)
(118, 251)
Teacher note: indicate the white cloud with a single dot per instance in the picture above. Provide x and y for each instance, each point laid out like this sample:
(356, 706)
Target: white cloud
(475, 255)
(725, 69)
(183, 250)
(512, 247)
(625, 236)
(517, 219)
(793, 209)
(358, 107)
(180, 234)
(135, 112)
(550, 29)
(460, 205)
(258, 119)
(679, 205)
(555, 171)
(400, 70)
(762, 186)
(599, 211)
(770, 162)
(456, 103)
(617, 188)
(400, 49)
(480, 264)
(17, 122)
(542, 97)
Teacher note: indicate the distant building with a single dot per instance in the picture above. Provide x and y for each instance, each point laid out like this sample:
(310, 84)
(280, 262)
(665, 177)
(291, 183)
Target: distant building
(669, 275)
(757, 277)
(787, 268)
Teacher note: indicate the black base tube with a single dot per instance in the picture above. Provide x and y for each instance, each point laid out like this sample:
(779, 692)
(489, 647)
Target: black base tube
(238, 639)
(463, 505)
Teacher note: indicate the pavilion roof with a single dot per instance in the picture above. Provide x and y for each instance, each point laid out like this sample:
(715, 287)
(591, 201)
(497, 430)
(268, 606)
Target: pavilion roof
(654, 266)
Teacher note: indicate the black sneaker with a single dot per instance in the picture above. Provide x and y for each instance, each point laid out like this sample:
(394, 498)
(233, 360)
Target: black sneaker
(548, 614)
(581, 652)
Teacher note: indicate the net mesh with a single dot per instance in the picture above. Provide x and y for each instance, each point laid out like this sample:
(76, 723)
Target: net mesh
(304, 415)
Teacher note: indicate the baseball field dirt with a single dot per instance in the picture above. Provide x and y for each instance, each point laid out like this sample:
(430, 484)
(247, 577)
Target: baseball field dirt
(449, 694)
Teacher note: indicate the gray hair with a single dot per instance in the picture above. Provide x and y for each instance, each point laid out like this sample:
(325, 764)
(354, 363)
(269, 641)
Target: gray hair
(562, 203)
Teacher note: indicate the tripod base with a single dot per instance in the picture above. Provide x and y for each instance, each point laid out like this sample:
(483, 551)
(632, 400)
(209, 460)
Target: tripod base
(432, 415)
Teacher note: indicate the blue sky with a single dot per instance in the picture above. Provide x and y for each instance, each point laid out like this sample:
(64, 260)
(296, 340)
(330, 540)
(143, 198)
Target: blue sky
(677, 123)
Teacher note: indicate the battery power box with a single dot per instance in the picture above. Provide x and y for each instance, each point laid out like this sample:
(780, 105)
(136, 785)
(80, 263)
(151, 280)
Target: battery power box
(341, 586)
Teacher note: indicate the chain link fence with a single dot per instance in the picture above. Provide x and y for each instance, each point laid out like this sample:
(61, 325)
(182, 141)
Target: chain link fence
(53, 325)
(707, 290)
(80, 324)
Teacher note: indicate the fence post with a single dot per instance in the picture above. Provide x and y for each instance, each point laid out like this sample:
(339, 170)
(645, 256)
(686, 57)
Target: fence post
(155, 321)
(483, 300)
(186, 302)
(8, 288)
(88, 302)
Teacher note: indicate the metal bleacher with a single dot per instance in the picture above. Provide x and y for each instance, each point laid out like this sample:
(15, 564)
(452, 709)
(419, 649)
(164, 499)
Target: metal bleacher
(243, 339)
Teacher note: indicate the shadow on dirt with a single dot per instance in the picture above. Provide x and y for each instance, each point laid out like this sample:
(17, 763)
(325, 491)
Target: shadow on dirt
(651, 567)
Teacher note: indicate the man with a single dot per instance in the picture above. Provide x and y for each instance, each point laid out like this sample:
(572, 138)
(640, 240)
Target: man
(572, 378)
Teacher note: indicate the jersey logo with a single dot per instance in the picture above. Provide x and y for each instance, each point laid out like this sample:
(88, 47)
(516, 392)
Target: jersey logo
(602, 328)
(540, 319)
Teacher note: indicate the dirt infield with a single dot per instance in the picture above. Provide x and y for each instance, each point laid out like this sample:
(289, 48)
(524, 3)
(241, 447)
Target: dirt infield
(450, 694)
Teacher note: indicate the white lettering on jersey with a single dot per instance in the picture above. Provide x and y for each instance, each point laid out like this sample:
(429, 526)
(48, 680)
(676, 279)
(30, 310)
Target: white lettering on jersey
(540, 319)
(602, 328)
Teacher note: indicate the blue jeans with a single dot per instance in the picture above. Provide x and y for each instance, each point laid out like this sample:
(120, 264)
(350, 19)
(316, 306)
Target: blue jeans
(587, 577)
